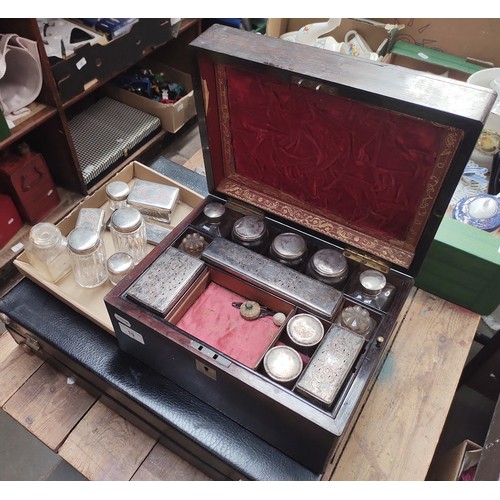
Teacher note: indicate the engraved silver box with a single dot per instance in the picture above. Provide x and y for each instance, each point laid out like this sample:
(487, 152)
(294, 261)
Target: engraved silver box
(164, 282)
(154, 200)
(330, 365)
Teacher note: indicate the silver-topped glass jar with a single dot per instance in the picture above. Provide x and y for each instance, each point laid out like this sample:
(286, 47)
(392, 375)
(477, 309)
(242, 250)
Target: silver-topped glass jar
(373, 289)
(213, 213)
(117, 193)
(251, 231)
(47, 251)
(129, 232)
(283, 364)
(119, 265)
(305, 331)
(329, 266)
(88, 257)
(289, 249)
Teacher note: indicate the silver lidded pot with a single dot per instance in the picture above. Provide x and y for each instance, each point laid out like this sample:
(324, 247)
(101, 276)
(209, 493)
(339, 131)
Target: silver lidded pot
(283, 364)
(251, 231)
(329, 266)
(372, 282)
(305, 330)
(117, 193)
(289, 249)
(129, 232)
(119, 265)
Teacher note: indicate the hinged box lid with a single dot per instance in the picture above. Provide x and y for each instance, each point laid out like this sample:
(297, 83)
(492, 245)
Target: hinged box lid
(361, 152)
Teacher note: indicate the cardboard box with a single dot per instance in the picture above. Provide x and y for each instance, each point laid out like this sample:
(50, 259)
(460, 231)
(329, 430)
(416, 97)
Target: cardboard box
(172, 116)
(450, 466)
(379, 36)
(90, 302)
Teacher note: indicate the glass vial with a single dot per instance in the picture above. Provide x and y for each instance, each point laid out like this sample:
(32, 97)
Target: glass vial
(251, 232)
(117, 193)
(119, 265)
(47, 251)
(129, 232)
(88, 257)
(372, 289)
(329, 266)
(290, 249)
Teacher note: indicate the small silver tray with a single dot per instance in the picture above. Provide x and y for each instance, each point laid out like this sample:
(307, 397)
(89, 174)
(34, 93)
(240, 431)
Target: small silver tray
(164, 282)
(155, 201)
(331, 363)
(273, 276)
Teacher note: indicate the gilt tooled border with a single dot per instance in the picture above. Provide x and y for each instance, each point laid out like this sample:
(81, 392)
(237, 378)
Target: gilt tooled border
(396, 251)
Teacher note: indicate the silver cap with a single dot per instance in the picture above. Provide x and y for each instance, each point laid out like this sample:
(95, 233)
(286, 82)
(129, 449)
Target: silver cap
(83, 241)
(249, 228)
(117, 190)
(289, 246)
(126, 220)
(305, 330)
(372, 282)
(120, 263)
(329, 263)
(283, 364)
(214, 211)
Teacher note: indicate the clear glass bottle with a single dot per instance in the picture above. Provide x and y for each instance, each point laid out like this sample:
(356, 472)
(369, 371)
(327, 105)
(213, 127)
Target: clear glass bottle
(129, 232)
(372, 289)
(47, 251)
(117, 193)
(119, 265)
(88, 257)
(213, 213)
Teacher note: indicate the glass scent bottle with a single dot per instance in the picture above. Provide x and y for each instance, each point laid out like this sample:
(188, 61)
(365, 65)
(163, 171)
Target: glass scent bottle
(290, 249)
(47, 251)
(357, 319)
(329, 266)
(128, 231)
(117, 193)
(251, 232)
(88, 257)
(119, 265)
(372, 289)
(213, 213)
(193, 244)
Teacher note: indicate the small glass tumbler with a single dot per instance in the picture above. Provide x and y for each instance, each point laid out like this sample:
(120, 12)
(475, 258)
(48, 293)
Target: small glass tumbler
(128, 231)
(47, 251)
(117, 193)
(88, 257)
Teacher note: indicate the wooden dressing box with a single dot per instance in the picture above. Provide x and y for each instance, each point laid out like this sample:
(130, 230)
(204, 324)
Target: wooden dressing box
(351, 155)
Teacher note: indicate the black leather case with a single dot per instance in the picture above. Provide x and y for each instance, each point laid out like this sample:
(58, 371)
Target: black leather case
(203, 436)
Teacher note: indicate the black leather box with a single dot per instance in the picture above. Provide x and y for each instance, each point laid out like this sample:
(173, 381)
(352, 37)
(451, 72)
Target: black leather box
(351, 155)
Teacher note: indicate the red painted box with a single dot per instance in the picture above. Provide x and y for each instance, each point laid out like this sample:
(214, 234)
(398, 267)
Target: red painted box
(354, 156)
(10, 220)
(27, 179)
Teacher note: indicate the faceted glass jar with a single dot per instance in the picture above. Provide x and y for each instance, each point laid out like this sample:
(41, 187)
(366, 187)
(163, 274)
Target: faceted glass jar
(119, 265)
(129, 233)
(117, 193)
(88, 257)
(47, 251)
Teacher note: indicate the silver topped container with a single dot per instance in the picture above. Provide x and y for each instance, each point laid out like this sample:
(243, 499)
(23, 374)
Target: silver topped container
(88, 257)
(129, 232)
(289, 249)
(251, 232)
(117, 193)
(305, 330)
(372, 282)
(154, 200)
(119, 265)
(329, 266)
(373, 289)
(283, 364)
(214, 211)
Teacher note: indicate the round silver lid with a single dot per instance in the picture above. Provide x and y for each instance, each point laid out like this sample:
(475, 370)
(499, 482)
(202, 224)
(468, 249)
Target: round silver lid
(372, 282)
(282, 363)
(120, 263)
(305, 330)
(126, 220)
(214, 211)
(117, 190)
(249, 228)
(289, 246)
(83, 241)
(329, 263)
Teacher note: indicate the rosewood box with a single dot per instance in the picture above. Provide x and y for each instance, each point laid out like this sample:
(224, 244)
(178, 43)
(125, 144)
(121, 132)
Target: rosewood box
(353, 156)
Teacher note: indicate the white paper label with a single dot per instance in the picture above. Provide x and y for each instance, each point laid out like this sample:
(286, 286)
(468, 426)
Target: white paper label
(81, 63)
(17, 247)
(131, 333)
